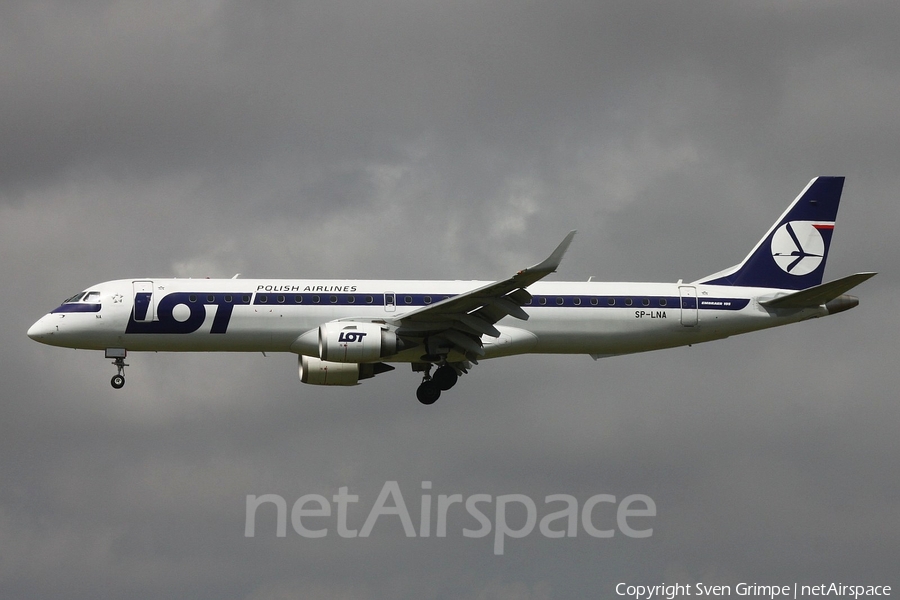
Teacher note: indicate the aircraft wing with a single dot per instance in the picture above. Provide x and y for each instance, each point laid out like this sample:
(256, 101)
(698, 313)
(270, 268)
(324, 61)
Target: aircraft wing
(460, 321)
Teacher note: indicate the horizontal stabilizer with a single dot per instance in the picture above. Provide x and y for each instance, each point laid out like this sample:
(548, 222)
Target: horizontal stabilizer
(819, 294)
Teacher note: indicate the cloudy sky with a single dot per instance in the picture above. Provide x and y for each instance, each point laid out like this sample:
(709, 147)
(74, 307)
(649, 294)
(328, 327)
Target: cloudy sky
(451, 140)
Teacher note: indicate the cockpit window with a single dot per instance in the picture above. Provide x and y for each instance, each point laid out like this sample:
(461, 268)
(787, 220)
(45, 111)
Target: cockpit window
(92, 297)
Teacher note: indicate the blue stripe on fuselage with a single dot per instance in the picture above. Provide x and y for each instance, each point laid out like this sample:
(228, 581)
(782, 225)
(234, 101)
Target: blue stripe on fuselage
(538, 300)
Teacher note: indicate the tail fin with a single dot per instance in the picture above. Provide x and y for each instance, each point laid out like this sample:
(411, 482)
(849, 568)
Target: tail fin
(792, 254)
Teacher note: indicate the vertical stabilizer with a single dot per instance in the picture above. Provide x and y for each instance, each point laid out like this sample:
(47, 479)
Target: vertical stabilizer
(792, 254)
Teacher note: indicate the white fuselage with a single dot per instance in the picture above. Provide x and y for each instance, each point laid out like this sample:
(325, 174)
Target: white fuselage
(268, 315)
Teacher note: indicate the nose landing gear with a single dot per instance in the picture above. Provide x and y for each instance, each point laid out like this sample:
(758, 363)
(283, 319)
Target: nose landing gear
(118, 380)
(118, 354)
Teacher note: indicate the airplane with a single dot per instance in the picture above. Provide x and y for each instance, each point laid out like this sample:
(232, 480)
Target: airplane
(349, 330)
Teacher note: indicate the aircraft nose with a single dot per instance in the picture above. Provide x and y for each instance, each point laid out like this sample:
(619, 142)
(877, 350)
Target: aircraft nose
(40, 330)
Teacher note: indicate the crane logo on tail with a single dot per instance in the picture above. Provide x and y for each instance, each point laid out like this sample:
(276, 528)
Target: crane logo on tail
(798, 247)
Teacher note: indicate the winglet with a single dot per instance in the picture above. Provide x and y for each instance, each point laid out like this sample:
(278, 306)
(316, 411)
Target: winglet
(504, 297)
(551, 263)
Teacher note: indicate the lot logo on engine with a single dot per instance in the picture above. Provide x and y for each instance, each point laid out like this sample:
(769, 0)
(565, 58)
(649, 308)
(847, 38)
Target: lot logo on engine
(351, 336)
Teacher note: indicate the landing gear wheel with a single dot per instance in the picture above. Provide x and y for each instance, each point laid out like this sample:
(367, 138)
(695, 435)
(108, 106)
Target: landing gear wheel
(445, 377)
(428, 392)
(118, 380)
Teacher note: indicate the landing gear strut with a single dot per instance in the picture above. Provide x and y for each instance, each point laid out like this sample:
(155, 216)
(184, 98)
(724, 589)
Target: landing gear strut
(118, 354)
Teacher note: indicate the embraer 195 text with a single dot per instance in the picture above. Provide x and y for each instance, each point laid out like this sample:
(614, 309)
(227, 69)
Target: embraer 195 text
(347, 330)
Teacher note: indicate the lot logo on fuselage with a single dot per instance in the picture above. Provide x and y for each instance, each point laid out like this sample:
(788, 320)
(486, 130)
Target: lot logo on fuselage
(185, 312)
(798, 247)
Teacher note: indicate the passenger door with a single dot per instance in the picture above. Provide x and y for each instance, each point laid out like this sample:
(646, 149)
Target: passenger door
(689, 310)
(143, 301)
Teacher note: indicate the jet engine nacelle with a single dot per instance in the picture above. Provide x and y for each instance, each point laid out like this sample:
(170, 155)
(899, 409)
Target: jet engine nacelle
(316, 371)
(355, 342)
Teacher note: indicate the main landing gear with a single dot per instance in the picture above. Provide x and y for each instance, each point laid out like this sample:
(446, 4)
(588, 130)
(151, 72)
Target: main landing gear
(431, 387)
(118, 354)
